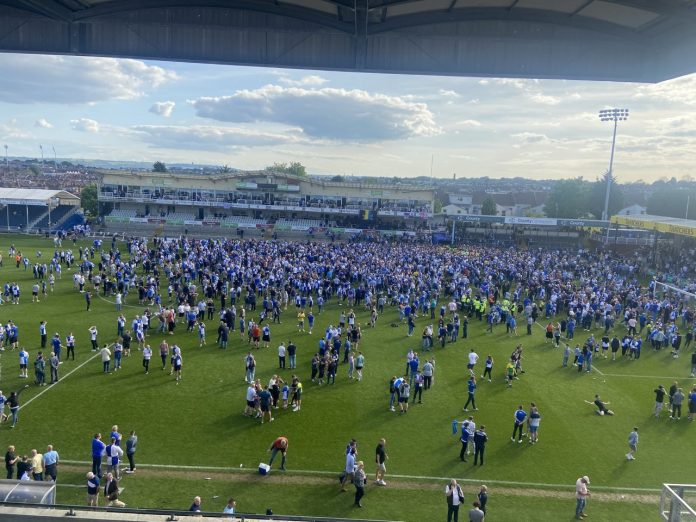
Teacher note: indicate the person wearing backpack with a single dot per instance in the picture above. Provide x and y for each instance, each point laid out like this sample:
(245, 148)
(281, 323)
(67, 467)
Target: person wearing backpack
(455, 497)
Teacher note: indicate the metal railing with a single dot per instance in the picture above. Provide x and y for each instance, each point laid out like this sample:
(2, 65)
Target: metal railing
(674, 506)
(613, 240)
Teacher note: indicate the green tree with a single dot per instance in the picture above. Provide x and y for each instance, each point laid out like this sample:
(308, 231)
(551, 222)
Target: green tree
(437, 206)
(225, 169)
(88, 200)
(158, 166)
(277, 167)
(597, 195)
(338, 179)
(295, 168)
(671, 201)
(488, 207)
(35, 170)
(568, 199)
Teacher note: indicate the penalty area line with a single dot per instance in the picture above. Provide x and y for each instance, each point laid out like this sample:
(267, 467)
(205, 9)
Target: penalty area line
(51, 386)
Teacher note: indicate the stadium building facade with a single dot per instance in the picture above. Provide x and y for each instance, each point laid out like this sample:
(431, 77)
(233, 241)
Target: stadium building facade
(260, 200)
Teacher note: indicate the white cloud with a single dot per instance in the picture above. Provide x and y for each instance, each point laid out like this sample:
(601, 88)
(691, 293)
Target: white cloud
(210, 137)
(11, 130)
(545, 124)
(515, 82)
(395, 158)
(446, 93)
(529, 138)
(163, 108)
(43, 123)
(326, 113)
(544, 99)
(483, 82)
(312, 80)
(584, 117)
(680, 90)
(468, 123)
(85, 125)
(76, 79)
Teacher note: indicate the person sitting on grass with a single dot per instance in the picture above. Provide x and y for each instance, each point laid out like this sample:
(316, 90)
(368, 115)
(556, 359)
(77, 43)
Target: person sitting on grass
(601, 406)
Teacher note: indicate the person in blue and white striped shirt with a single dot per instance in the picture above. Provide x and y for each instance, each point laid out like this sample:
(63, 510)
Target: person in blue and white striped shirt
(113, 455)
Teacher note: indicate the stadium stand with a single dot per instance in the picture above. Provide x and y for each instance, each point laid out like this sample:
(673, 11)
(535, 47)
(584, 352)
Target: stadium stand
(298, 224)
(32, 209)
(243, 221)
(123, 213)
(180, 216)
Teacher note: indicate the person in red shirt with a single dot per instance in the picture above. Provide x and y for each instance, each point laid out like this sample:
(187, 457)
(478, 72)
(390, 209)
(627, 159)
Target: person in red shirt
(279, 445)
(255, 335)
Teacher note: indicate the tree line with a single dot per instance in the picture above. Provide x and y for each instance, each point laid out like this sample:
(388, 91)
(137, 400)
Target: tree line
(578, 198)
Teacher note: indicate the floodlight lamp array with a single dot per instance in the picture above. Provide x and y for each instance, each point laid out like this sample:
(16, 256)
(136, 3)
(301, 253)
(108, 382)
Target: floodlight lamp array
(613, 114)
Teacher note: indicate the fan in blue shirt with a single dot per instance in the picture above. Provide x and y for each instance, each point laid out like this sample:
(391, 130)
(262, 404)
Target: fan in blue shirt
(520, 417)
(98, 449)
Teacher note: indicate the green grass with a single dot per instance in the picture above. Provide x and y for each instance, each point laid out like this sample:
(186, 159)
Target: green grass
(199, 422)
(415, 502)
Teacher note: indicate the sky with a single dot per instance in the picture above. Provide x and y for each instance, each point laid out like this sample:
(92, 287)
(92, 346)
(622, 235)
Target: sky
(342, 123)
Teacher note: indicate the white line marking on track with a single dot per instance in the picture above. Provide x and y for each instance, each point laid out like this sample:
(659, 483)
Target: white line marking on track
(332, 474)
(50, 386)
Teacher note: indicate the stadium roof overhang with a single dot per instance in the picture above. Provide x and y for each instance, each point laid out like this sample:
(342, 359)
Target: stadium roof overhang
(625, 40)
(19, 196)
(668, 225)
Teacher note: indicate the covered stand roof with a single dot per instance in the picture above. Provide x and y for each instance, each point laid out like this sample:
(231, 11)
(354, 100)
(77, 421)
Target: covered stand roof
(630, 40)
(20, 196)
(669, 225)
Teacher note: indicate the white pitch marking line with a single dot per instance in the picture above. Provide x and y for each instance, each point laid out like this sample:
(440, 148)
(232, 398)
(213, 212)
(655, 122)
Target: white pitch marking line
(331, 474)
(114, 302)
(50, 386)
(64, 485)
(648, 376)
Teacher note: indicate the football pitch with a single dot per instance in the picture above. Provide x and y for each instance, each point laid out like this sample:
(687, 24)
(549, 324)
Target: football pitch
(194, 440)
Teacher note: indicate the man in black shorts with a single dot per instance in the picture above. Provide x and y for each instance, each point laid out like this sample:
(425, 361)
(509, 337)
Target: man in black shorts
(381, 461)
